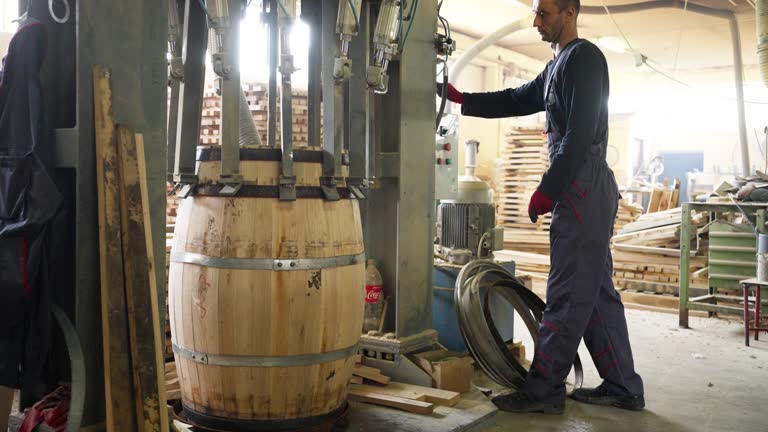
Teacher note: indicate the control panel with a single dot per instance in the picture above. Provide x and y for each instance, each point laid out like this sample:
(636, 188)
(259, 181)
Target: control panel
(446, 158)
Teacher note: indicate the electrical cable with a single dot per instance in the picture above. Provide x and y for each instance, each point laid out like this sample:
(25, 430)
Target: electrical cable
(205, 9)
(617, 26)
(759, 147)
(658, 71)
(285, 11)
(480, 244)
(412, 14)
(443, 94)
(679, 40)
(665, 75)
(354, 14)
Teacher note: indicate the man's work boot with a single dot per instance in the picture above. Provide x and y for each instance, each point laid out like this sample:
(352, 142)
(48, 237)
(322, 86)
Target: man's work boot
(519, 402)
(601, 396)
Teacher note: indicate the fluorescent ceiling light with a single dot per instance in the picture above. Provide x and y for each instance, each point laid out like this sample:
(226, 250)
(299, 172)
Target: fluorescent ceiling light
(611, 43)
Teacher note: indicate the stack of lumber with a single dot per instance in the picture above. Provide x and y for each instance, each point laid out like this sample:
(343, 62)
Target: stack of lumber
(627, 213)
(518, 172)
(664, 198)
(133, 367)
(370, 386)
(172, 387)
(535, 266)
(646, 254)
(256, 95)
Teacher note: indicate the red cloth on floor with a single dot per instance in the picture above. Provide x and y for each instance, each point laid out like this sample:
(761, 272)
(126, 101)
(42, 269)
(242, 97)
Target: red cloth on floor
(52, 411)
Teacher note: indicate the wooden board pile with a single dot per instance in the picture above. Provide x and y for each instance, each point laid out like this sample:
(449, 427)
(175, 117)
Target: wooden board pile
(646, 254)
(536, 265)
(524, 160)
(172, 387)
(518, 172)
(371, 386)
(533, 265)
(626, 214)
(664, 198)
(256, 95)
(133, 365)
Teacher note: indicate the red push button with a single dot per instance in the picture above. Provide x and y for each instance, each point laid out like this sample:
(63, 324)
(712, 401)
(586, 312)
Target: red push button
(447, 147)
(439, 161)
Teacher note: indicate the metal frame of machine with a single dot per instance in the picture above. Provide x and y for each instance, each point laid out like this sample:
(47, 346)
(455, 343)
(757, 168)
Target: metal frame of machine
(372, 115)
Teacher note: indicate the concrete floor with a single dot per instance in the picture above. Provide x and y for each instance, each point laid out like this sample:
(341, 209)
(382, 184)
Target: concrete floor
(702, 379)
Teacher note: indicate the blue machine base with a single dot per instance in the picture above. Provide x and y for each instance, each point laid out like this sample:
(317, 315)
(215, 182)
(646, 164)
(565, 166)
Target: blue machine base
(444, 318)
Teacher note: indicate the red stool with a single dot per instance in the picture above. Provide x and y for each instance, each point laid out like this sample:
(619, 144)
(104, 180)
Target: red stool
(758, 286)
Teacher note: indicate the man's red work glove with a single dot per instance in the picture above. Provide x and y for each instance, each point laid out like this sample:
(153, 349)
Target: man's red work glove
(453, 95)
(540, 204)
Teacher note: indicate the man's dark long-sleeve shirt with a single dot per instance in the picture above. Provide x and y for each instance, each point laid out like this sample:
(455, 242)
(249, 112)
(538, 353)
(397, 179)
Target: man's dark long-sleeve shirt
(574, 90)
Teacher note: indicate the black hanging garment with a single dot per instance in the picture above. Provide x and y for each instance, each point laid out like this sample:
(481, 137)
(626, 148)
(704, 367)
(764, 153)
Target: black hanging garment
(29, 200)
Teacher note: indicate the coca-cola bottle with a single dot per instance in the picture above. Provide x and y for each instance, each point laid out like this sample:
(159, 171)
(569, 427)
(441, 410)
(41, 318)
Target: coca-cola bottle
(374, 293)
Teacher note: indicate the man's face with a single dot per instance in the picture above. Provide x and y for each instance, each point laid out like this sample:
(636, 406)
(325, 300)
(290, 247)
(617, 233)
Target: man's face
(549, 19)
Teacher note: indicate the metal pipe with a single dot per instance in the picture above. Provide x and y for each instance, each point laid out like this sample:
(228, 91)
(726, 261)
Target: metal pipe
(286, 18)
(175, 76)
(738, 68)
(311, 13)
(470, 157)
(194, 42)
(762, 38)
(272, 61)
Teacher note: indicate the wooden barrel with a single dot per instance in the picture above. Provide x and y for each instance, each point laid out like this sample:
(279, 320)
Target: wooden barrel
(266, 297)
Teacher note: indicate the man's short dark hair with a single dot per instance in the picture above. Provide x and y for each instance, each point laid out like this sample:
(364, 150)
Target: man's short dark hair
(563, 4)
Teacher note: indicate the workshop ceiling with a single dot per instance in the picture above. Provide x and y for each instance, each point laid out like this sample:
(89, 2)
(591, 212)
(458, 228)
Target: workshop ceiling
(690, 46)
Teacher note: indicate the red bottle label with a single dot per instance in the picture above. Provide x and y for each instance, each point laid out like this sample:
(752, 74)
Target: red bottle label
(373, 293)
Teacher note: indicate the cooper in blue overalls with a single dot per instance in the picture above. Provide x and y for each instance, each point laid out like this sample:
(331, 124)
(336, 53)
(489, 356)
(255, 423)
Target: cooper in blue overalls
(581, 192)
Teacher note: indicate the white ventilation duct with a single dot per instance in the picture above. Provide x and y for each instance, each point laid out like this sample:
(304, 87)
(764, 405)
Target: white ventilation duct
(484, 43)
(762, 39)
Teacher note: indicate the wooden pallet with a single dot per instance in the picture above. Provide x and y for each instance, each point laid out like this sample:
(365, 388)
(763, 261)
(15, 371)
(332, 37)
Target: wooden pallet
(256, 97)
(518, 173)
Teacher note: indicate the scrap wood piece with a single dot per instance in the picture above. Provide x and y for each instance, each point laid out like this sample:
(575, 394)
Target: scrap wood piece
(118, 384)
(370, 373)
(414, 392)
(404, 404)
(140, 284)
(436, 396)
(391, 391)
(173, 394)
(650, 250)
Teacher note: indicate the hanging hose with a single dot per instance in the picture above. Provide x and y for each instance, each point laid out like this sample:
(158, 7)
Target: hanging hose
(443, 94)
(474, 285)
(249, 134)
